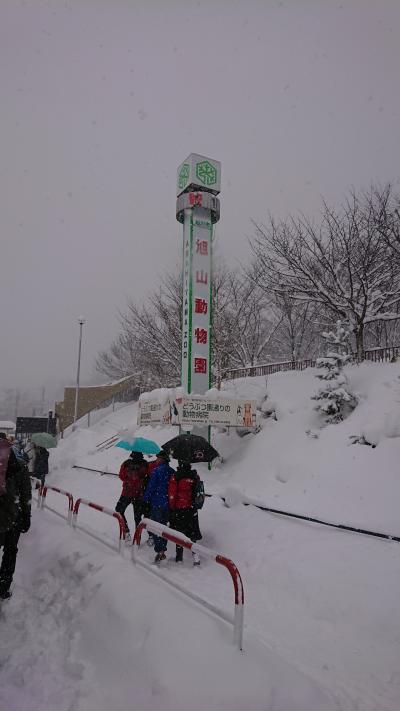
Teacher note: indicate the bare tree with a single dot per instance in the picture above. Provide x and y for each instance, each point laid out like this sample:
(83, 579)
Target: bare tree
(342, 265)
(298, 332)
(252, 319)
(120, 360)
(385, 207)
(244, 323)
(149, 342)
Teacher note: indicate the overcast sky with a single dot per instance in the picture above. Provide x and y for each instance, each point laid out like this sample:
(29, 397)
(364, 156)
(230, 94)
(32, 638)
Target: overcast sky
(102, 99)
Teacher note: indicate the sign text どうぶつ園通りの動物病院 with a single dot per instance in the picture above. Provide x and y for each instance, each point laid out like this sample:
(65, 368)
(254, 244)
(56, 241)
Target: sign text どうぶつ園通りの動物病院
(188, 410)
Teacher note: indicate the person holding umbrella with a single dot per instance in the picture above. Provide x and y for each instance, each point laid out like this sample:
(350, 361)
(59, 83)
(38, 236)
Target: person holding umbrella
(43, 441)
(134, 474)
(156, 495)
(41, 467)
(187, 447)
(183, 513)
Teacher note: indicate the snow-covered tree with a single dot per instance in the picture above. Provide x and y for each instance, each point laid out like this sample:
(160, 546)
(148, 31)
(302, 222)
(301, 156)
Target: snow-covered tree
(334, 400)
(245, 322)
(297, 334)
(243, 326)
(149, 341)
(384, 204)
(341, 264)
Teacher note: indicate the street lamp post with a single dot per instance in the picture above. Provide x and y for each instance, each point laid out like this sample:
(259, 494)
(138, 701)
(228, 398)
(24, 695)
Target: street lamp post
(81, 321)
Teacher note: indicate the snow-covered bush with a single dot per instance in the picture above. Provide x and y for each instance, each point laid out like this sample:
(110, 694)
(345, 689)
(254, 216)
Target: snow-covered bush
(334, 400)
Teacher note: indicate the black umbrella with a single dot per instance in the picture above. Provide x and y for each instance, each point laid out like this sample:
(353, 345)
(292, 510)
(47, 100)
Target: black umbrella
(190, 448)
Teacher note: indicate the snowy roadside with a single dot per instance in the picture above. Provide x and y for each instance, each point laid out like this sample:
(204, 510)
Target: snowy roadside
(324, 600)
(86, 631)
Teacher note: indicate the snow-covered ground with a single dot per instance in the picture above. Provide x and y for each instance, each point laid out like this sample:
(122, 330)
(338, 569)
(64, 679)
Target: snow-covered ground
(87, 630)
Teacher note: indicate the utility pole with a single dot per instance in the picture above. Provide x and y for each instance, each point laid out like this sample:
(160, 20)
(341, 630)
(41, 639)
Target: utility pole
(81, 321)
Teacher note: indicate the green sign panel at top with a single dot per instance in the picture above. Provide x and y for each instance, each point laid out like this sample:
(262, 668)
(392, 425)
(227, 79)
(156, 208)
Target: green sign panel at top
(183, 177)
(199, 173)
(206, 173)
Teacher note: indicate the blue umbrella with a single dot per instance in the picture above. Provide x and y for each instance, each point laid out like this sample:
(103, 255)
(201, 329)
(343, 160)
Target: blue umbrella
(139, 444)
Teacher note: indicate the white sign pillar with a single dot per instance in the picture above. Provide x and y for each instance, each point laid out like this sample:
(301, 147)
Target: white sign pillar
(197, 208)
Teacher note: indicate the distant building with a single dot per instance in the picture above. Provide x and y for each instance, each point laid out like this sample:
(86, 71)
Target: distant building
(93, 396)
(7, 427)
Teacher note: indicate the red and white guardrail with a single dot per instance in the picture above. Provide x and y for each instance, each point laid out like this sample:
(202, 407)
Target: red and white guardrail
(170, 535)
(180, 539)
(102, 509)
(42, 493)
(46, 488)
(73, 509)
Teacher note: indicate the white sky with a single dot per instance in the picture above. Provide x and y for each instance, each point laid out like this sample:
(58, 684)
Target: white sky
(101, 100)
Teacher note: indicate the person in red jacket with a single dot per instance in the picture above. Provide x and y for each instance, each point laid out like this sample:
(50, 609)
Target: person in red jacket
(183, 514)
(134, 474)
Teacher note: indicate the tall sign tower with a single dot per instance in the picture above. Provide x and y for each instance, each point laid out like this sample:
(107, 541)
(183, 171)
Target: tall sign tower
(197, 208)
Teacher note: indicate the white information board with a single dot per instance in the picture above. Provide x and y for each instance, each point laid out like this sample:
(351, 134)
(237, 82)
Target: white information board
(188, 410)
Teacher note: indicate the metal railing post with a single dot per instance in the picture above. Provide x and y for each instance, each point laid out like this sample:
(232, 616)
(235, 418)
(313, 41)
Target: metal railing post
(179, 539)
(44, 490)
(105, 510)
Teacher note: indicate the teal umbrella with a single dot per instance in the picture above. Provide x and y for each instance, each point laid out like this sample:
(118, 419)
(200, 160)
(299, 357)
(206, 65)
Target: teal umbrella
(44, 439)
(139, 444)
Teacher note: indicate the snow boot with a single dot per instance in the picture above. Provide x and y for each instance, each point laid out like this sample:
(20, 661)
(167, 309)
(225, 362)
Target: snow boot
(179, 555)
(159, 557)
(128, 537)
(196, 559)
(5, 594)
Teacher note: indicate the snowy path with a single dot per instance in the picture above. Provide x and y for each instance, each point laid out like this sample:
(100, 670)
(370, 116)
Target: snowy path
(86, 631)
(39, 629)
(328, 609)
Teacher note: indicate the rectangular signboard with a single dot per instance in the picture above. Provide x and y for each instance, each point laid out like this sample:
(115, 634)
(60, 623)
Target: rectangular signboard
(221, 412)
(187, 410)
(30, 425)
(153, 412)
(187, 310)
(201, 299)
(196, 306)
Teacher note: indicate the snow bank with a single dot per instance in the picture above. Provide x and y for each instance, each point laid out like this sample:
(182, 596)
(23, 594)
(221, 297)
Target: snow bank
(87, 631)
(297, 464)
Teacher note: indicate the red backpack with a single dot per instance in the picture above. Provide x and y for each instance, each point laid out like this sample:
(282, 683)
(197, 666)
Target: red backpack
(5, 448)
(134, 478)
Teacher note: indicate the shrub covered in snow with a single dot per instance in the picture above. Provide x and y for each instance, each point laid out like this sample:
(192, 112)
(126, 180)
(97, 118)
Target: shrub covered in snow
(334, 400)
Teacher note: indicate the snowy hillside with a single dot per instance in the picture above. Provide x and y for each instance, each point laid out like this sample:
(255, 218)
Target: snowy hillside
(320, 604)
(325, 476)
(321, 474)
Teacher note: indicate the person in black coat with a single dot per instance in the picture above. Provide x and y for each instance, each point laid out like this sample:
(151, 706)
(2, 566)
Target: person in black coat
(41, 464)
(15, 518)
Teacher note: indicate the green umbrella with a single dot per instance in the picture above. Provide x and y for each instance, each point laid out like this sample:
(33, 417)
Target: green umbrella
(44, 439)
